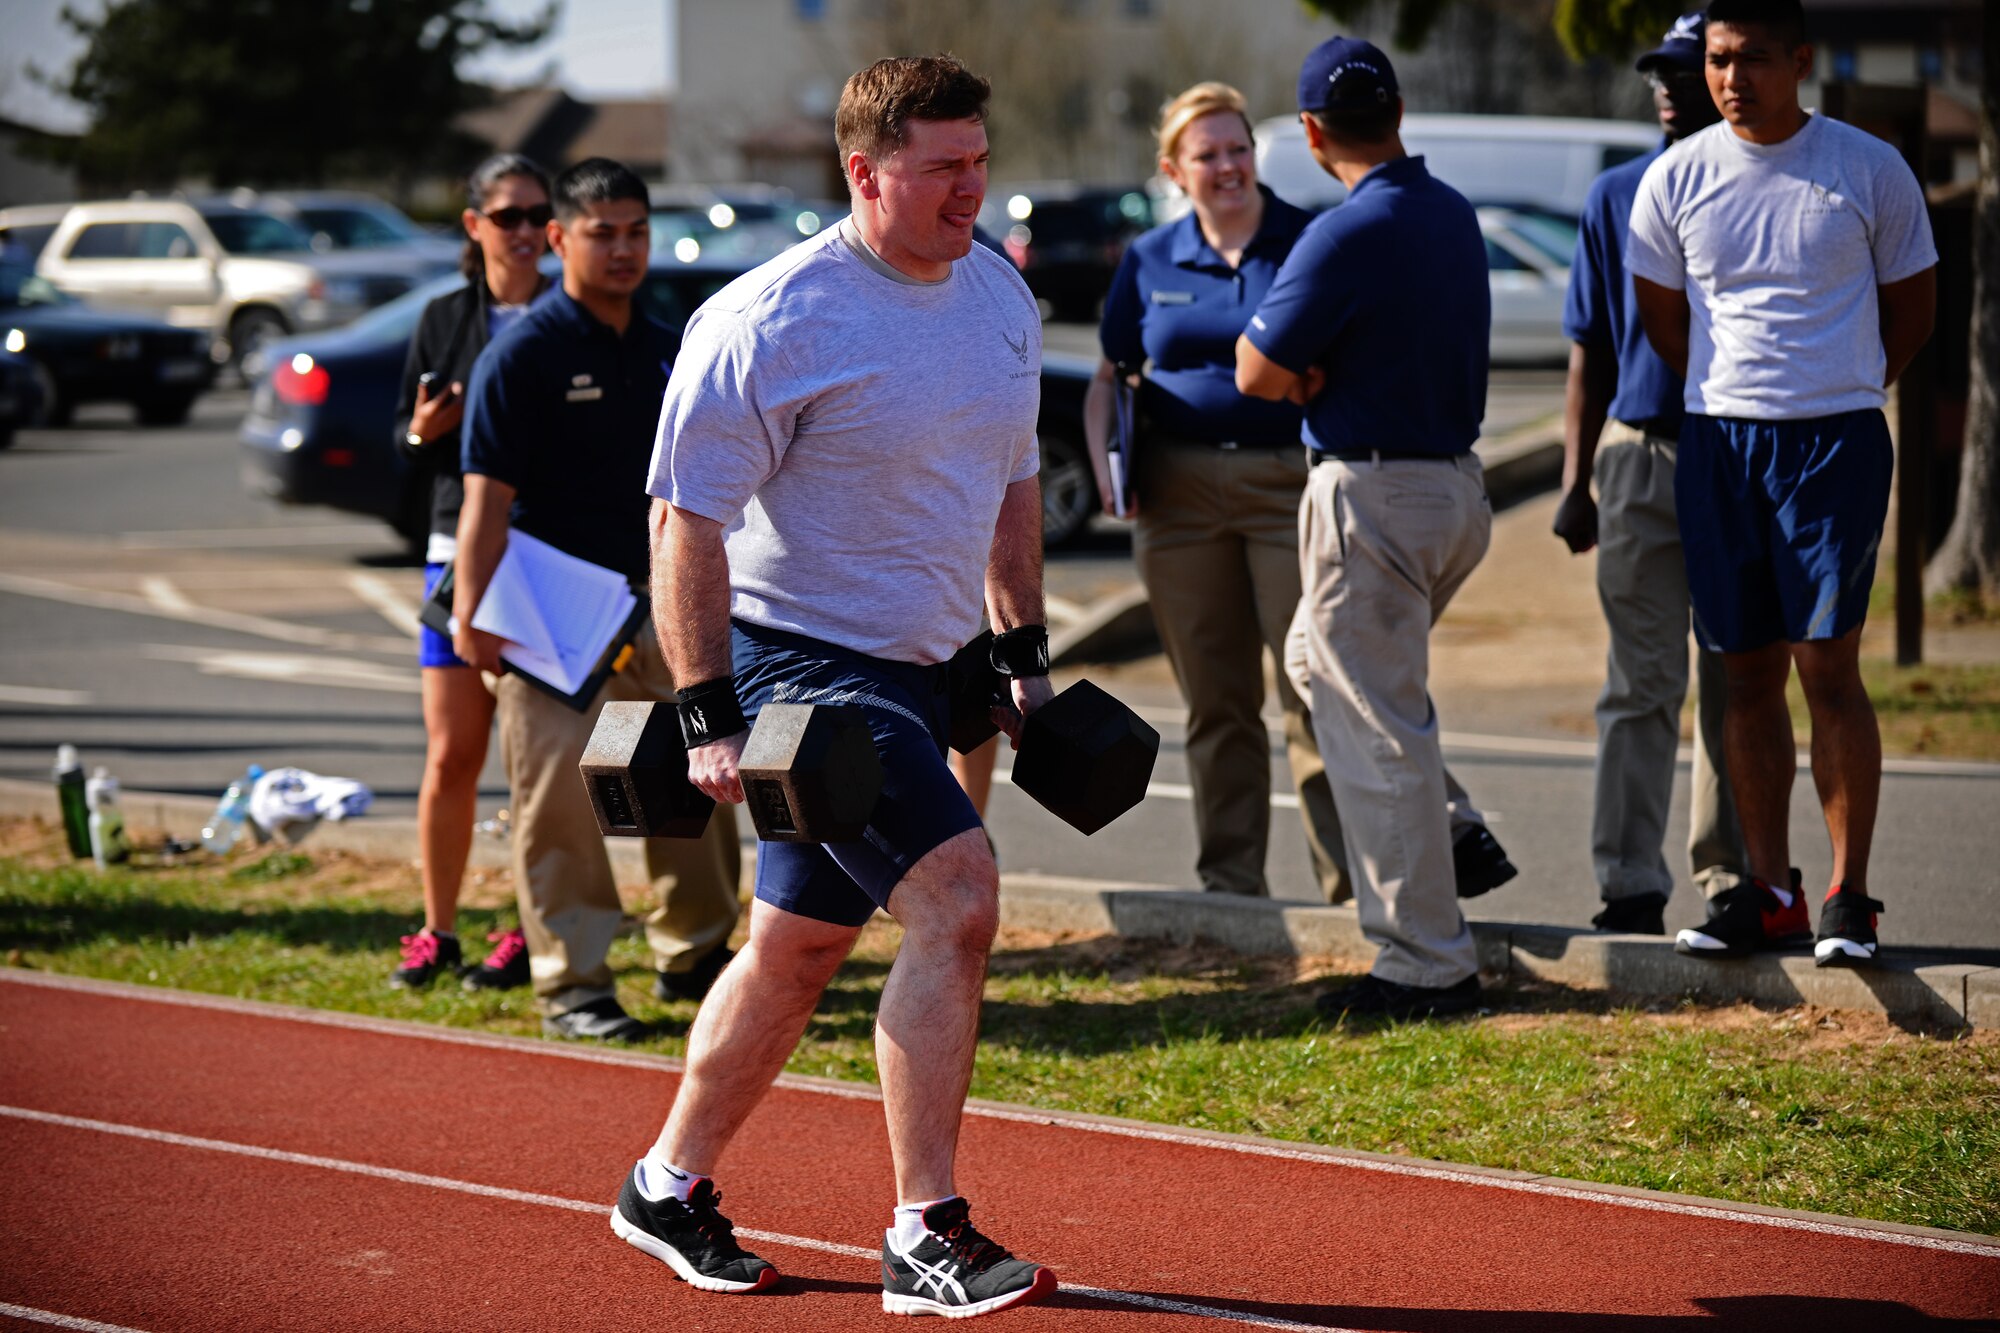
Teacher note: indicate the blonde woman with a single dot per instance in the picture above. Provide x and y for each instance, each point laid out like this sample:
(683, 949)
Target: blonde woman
(1218, 478)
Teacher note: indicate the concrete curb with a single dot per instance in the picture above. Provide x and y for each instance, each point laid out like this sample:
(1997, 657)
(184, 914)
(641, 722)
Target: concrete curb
(1934, 989)
(1121, 625)
(1929, 988)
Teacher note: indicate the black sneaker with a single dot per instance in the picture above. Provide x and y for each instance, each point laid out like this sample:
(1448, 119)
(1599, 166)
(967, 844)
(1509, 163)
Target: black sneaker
(424, 956)
(692, 1238)
(600, 1020)
(1846, 929)
(694, 983)
(956, 1272)
(1373, 997)
(506, 968)
(1640, 914)
(1479, 862)
(1747, 919)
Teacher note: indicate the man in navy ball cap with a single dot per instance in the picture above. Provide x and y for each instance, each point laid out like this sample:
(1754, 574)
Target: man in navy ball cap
(1621, 429)
(1378, 325)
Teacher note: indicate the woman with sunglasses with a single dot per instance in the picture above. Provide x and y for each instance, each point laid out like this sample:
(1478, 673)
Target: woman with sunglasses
(506, 228)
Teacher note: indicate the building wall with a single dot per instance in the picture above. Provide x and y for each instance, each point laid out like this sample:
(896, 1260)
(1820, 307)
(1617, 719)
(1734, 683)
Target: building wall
(30, 180)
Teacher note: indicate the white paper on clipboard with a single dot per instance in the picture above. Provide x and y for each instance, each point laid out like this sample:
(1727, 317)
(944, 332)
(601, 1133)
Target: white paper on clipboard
(1118, 451)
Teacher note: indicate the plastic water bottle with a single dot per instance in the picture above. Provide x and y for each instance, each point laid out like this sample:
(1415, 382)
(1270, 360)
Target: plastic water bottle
(70, 797)
(225, 826)
(108, 843)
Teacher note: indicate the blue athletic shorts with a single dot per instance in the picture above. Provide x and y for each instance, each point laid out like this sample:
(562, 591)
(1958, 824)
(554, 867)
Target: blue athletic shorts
(922, 805)
(433, 648)
(1780, 522)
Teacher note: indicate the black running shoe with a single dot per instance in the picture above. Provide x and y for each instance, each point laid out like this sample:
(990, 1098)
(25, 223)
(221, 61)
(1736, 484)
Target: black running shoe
(1640, 914)
(1479, 862)
(956, 1272)
(424, 956)
(1373, 997)
(692, 1238)
(506, 968)
(694, 983)
(599, 1020)
(1748, 919)
(1846, 929)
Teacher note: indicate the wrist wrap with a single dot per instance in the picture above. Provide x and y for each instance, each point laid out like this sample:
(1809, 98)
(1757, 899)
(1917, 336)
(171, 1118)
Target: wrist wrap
(709, 711)
(1022, 651)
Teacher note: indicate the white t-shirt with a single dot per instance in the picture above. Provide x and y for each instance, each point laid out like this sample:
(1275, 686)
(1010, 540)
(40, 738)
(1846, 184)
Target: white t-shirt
(856, 431)
(1780, 249)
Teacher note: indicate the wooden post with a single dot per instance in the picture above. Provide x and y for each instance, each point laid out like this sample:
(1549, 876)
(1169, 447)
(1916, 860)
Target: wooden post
(1897, 115)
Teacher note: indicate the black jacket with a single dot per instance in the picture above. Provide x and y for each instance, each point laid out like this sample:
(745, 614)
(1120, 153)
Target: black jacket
(450, 336)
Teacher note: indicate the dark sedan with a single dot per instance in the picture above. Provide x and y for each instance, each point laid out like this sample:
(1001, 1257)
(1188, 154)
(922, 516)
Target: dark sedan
(20, 395)
(82, 355)
(322, 416)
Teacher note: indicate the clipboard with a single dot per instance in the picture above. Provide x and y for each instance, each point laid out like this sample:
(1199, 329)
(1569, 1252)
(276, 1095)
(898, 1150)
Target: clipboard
(1121, 448)
(436, 614)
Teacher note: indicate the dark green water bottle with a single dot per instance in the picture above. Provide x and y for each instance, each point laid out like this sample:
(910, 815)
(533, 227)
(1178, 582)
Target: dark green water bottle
(70, 795)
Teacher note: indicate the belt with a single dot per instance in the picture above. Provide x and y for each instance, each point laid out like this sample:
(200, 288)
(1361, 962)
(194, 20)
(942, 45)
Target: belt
(1190, 441)
(1381, 456)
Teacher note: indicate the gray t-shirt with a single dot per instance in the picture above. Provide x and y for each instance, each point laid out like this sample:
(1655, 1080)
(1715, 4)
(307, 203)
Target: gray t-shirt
(1780, 249)
(855, 431)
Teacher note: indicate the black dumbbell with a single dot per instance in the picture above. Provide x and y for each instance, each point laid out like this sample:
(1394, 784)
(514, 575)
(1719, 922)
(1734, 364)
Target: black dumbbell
(1084, 756)
(809, 771)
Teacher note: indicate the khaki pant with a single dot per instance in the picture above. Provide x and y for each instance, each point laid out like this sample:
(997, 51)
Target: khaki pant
(569, 903)
(1383, 546)
(1642, 585)
(1216, 544)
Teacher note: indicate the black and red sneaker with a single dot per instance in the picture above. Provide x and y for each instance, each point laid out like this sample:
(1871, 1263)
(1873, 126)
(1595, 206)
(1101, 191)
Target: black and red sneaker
(955, 1271)
(1750, 918)
(425, 956)
(506, 968)
(1846, 928)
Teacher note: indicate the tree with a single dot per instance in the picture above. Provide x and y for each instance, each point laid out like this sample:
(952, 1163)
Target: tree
(277, 92)
(1969, 558)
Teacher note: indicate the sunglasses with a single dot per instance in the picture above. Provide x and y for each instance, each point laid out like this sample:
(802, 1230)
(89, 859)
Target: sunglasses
(513, 219)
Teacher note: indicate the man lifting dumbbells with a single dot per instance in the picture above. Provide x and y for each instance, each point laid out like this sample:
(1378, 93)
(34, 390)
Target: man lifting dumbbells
(845, 455)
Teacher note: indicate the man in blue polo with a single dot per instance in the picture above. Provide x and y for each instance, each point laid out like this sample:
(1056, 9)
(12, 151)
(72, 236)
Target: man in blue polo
(1641, 578)
(1378, 324)
(558, 426)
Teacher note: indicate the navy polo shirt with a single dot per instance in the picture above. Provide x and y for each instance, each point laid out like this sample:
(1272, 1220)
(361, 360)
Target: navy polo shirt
(1175, 302)
(1388, 294)
(1601, 311)
(564, 409)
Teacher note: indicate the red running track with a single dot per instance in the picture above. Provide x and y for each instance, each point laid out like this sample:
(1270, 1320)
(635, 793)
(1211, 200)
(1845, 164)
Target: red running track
(181, 1162)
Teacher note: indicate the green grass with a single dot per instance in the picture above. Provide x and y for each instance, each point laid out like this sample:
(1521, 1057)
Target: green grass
(1840, 1113)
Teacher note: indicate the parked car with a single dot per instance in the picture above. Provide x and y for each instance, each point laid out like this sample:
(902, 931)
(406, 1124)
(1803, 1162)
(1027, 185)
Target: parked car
(1066, 239)
(322, 413)
(78, 355)
(1544, 161)
(744, 224)
(1527, 271)
(335, 220)
(20, 395)
(29, 226)
(241, 274)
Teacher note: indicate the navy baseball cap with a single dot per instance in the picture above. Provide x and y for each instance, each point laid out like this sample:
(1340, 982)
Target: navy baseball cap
(1346, 74)
(1682, 46)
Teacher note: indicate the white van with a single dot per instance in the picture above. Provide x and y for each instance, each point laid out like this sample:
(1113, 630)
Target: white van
(1544, 162)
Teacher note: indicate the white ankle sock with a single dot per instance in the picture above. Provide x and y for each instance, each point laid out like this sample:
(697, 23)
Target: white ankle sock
(909, 1228)
(658, 1178)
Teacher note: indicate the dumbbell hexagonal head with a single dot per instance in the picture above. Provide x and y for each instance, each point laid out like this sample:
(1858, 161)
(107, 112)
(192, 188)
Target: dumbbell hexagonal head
(810, 773)
(635, 768)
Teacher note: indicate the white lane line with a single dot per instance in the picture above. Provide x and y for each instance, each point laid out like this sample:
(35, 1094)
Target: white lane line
(50, 1317)
(1610, 1196)
(446, 1183)
(1060, 610)
(347, 673)
(221, 538)
(392, 605)
(35, 694)
(263, 627)
(159, 590)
